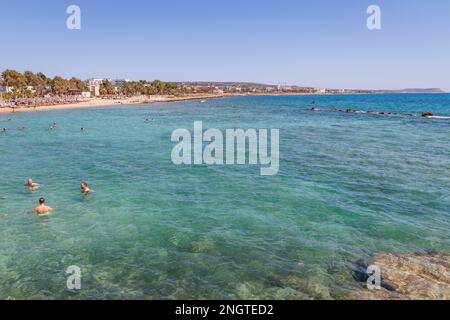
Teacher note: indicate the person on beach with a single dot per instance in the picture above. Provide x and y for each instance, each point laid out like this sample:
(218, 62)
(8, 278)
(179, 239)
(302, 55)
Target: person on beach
(43, 209)
(85, 189)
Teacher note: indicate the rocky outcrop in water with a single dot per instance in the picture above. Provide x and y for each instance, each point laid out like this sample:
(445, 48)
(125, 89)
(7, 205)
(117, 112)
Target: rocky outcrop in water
(428, 115)
(410, 277)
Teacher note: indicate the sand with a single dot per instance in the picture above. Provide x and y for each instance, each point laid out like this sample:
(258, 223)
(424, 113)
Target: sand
(138, 100)
(109, 102)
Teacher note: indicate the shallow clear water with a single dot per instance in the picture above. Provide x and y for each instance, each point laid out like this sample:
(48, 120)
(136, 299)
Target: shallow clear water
(349, 185)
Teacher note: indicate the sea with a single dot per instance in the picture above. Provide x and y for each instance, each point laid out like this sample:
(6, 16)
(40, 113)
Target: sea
(350, 184)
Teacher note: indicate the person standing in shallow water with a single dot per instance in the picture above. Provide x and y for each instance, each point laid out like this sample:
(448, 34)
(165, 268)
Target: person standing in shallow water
(32, 185)
(43, 209)
(85, 189)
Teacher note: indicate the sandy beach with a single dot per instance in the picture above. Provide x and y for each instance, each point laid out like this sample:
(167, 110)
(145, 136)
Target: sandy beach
(137, 100)
(105, 102)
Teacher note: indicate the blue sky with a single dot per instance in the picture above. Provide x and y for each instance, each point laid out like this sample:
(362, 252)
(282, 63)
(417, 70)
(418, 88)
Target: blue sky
(321, 43)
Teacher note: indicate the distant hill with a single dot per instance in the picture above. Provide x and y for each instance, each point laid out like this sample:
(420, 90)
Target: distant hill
(261, 87)
(429, 90)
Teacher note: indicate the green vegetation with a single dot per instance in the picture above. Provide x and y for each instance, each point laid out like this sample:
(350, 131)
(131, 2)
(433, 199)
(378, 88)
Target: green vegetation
(142, 87)
(30, 85)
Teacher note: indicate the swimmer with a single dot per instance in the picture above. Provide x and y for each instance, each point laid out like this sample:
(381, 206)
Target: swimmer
(33, 185)
(85, 189)
(82, 129)
(5, 130)
(42, 209)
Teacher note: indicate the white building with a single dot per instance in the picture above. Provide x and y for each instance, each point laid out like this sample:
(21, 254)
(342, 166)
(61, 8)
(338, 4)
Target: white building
(95, 89)
(217, 90)
(94, 85)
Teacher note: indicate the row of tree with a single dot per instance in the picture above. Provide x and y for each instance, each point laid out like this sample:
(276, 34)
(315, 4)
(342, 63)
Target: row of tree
(156, 87)
(30, 84)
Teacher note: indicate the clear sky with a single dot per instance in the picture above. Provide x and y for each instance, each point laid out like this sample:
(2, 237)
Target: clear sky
(321, 43)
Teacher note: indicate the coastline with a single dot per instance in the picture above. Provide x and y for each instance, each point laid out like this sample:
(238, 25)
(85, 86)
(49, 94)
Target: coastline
(146, 100)
(139, 100)
(102, 102)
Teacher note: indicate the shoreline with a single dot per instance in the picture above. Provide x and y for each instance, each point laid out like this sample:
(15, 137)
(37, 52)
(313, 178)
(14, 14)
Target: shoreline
(143, 100)
(99, 102)
(147, 100)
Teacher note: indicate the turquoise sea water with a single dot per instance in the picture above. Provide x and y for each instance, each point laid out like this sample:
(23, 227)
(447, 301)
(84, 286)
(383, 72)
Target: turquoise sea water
(349, 185)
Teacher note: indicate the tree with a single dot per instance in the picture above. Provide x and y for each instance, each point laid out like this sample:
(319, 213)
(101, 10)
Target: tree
(77, 84)
(106, 88)
(158, 87)
(44, 78)
(171, 88)
(129, 88)
(38, 82)
(12, 78)
(60, 85)
(31, 78)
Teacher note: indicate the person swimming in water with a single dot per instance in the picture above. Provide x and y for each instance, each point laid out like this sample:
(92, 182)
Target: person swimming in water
(33, 185)
(85, 189)
(43, 209)
(5, 130)
(53, 126)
